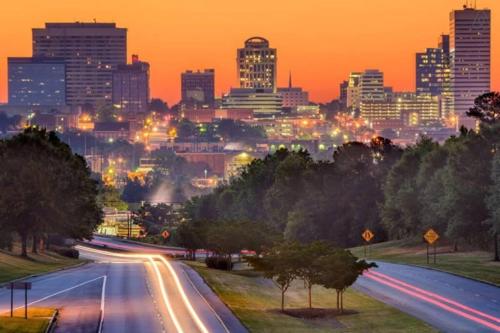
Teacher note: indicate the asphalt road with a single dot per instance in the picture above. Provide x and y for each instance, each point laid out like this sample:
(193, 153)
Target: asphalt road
(128, 292)
(447, 302)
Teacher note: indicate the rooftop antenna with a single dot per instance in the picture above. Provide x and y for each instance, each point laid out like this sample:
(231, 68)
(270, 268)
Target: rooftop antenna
(290, 80)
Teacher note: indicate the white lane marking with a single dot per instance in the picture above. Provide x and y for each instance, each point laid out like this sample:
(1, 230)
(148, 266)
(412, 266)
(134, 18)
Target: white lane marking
(203, 297)
(62, 291)
(192, 312)
(103, 298)
(165, 296)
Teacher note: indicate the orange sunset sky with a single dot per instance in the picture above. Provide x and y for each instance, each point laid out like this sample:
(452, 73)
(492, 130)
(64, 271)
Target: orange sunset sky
(320, 41)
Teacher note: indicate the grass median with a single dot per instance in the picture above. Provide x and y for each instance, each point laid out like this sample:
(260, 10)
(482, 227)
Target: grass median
(37, 322)
(470, 263)
(13, 266)
(255, 301)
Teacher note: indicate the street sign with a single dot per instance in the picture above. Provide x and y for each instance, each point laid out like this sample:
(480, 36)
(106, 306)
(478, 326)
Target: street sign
(431, 236)
(19, 285)
(367, 235)
(165, 234)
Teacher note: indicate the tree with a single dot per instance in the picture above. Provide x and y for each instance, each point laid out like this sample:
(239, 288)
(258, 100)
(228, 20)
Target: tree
(340, 269)
(156, 218)
(45, 189)
(158, 105)
(278, 264)
(190, 236)
(492, 203)
(135, 191)
(110, 197)
(225, 239)
(307, 266)
(486, 108)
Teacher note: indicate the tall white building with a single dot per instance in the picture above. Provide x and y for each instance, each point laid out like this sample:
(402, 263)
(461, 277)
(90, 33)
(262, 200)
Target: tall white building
(257, 65)
(470, 59)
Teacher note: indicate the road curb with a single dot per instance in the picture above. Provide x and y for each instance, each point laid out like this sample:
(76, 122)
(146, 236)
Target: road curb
(52, 322)
(443, 271)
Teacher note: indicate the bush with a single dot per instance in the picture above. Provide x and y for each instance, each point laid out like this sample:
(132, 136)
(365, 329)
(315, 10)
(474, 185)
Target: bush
(65, 251)
(219, 263)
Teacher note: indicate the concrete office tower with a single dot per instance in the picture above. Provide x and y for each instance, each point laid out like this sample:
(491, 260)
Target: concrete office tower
(92, 52)
(470, 59)
(371, 86)
(131, 86)
(257, 65)
(37, 82)
(198, 87)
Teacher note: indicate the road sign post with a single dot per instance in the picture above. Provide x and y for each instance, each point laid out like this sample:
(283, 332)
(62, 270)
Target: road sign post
(431, 238)
(367, 235)
(19, 285)
(11, 302)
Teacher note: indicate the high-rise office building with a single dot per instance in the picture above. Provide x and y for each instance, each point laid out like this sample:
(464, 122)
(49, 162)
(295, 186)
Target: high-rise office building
(198, 87)
(371, 86)
(432, 71)
(131, 86)
(470, 59)
(37, 81)
(257, 65)
(92, 52)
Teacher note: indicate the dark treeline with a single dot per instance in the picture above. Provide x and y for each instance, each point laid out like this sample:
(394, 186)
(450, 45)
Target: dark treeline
(46, 191)
(398, 193)
(306, 200)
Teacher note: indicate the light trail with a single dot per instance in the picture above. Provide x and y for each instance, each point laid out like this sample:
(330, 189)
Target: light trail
(164, 294)
(193, 313)
(439, 297)
(151, 257)
(433, 301)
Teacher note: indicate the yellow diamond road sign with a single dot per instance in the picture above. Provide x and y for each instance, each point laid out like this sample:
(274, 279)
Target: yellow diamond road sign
(367, 235)
(431, 236)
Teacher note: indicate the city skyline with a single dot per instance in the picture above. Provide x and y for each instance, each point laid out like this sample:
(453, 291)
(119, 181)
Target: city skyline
(317, 66)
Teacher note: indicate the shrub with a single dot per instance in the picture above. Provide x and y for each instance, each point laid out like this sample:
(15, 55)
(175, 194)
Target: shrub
(219, 263)
(65, 251)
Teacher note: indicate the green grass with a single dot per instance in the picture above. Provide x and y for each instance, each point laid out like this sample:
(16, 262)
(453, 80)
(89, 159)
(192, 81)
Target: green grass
(255, 301)
(38, 320)
(13, 266)
(473, 264)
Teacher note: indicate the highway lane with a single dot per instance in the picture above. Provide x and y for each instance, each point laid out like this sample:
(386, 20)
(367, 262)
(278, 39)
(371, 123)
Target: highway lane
(186, 303)
(78, 293)
(445, 301)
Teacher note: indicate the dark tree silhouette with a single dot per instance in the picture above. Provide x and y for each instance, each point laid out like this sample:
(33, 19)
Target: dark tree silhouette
(486, 108)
